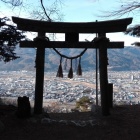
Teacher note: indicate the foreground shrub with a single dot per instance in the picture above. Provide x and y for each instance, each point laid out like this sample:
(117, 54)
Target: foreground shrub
(83, 103)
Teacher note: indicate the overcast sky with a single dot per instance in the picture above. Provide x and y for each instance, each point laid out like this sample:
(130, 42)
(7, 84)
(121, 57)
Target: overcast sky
(81, 11)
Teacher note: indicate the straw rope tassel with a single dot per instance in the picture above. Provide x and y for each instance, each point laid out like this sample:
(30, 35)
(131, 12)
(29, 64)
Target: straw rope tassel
(79, 69)
(60, 70)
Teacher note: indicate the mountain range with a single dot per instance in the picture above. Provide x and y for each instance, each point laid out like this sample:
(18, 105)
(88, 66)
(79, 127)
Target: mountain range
(125, 59)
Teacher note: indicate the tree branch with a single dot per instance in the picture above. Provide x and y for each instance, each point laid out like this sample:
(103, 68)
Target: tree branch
(125, 8)
(13, 2)
(49, 19)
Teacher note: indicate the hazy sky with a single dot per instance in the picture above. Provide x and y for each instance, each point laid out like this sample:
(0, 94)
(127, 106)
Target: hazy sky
(80, 11)
(85, 10)
(88, 10)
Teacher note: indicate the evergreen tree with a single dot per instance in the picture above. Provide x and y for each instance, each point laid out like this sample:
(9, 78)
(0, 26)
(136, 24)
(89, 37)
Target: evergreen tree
(9, 38)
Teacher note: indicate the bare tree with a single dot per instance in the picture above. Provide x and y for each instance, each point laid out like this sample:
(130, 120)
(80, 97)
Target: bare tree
(128, 7)
(13, 2)
(47, 11)
(10, 36)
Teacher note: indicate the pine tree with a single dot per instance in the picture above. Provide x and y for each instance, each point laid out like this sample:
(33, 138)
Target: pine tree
(9, 38)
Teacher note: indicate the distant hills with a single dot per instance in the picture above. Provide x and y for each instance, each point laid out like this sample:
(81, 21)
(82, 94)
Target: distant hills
(119, 59)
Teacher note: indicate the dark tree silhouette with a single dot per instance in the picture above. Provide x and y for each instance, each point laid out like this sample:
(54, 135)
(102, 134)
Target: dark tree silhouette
(134, 31)
(9, 38)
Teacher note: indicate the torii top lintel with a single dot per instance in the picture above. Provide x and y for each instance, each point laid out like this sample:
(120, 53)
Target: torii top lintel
(109, 26)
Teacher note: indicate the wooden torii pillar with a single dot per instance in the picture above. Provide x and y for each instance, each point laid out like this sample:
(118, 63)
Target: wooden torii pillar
(71, 31)
(39, 83)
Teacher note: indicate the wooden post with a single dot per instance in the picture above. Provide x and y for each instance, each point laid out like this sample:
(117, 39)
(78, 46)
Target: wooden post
(72, 37)
(39, 85)
(96, 73)
(96, 76)
(103, 75)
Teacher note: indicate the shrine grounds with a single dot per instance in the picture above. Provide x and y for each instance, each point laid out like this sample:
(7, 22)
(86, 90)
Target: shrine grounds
(122, 124)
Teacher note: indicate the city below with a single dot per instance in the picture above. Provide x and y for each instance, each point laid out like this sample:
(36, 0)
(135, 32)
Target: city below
(65, 91)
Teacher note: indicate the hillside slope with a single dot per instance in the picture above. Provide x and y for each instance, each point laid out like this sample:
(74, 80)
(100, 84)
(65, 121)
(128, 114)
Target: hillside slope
(119, 59)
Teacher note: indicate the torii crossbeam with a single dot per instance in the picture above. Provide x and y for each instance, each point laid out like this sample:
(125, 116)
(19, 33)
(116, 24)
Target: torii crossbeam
(71, 31)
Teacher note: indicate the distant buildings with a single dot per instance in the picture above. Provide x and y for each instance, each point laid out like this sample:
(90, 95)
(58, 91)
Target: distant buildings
(126, 86)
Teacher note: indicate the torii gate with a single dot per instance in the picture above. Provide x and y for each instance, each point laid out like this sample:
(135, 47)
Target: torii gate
(72, 31)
